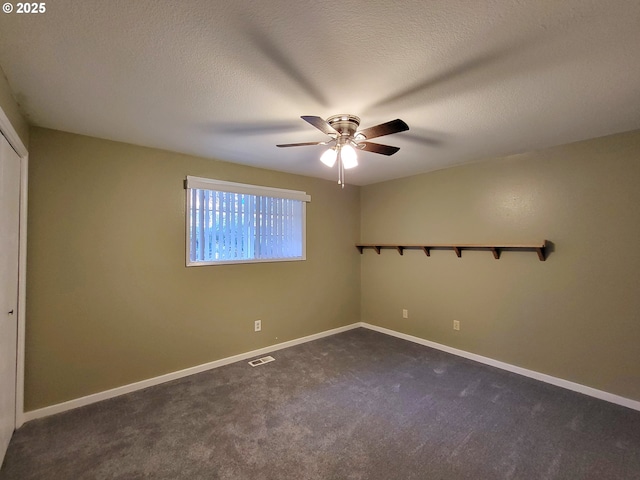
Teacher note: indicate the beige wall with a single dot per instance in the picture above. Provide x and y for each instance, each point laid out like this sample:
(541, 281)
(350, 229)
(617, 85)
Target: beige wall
(109, 299)
(11, 110)
(575, 316)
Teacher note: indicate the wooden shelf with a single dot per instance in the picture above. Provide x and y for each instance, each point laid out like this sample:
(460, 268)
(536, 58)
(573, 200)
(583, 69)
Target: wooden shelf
(456, 247)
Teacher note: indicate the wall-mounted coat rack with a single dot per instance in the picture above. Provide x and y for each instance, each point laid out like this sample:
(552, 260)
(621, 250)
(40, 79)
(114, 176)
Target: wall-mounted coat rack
(457, 248)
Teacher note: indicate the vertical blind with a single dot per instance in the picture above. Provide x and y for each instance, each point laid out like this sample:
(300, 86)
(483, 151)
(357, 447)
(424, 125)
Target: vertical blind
(227, 223)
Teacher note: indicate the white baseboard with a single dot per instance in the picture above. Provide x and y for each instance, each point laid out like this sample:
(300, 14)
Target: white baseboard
(559, 382)
(132, 387)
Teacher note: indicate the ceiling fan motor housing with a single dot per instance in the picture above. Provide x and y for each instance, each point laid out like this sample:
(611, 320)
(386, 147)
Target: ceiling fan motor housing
(346, 125)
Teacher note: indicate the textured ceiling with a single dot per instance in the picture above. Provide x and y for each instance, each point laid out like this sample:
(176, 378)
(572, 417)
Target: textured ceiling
(229, 80)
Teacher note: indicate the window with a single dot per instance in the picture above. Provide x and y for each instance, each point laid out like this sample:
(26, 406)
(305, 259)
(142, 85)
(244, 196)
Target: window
(237, 223)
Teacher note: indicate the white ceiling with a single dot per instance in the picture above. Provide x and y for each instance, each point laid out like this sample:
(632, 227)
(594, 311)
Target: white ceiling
(229, 80)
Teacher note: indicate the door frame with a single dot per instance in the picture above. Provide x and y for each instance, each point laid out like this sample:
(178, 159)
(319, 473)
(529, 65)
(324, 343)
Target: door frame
(18, 145)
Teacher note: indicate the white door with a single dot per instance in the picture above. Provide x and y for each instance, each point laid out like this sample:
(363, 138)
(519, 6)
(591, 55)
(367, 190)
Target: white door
(9, 224)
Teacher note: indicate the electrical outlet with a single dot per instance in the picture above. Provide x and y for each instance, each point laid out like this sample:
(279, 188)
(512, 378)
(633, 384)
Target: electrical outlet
(405, 313)
(456, 324)
(257, 325)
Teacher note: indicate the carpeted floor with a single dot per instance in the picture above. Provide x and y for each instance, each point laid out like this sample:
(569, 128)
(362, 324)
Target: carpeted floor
(358, 405)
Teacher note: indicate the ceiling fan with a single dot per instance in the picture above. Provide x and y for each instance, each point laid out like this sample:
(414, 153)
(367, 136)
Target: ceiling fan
(346, 138)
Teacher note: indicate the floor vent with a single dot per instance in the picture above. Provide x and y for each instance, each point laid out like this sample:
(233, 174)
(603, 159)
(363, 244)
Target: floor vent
(261, 361)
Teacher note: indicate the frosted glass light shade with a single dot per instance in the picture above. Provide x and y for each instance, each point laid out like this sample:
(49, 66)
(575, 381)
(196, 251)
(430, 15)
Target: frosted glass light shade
(349, 157)
(329, 157)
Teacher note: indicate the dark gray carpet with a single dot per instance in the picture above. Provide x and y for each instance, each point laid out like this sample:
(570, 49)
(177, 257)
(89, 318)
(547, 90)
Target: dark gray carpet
(359, 405)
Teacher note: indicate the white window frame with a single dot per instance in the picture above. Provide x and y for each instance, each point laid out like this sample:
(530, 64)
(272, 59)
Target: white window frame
(241, 188)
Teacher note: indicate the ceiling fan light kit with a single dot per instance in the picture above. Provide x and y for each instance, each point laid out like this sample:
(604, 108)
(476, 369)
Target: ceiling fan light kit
(345, 139)
(329, 157)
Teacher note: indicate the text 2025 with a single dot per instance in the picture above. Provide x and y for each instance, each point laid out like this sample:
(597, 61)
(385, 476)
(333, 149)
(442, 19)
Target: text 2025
(31, 7)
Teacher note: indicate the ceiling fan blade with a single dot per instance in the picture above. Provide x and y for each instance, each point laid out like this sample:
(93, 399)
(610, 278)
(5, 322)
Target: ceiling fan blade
(378, 148)
(301, 144)
(320, 124)
(394, 126)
